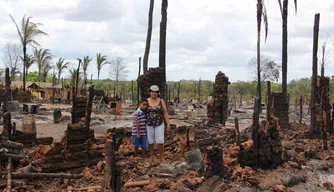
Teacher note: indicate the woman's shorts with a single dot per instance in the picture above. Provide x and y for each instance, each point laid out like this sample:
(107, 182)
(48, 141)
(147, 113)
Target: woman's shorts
(156, 134)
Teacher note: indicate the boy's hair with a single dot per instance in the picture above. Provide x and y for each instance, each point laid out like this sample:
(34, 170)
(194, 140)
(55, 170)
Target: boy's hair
(143, 100)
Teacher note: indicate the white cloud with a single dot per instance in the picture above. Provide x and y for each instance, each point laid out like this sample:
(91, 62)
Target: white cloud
(203, 37)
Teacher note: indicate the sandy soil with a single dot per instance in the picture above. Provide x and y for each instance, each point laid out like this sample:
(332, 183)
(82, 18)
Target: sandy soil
(45, 127)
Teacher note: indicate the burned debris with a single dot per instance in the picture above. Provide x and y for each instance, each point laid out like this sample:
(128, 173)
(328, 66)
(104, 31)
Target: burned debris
(218, 106)
(213, 153)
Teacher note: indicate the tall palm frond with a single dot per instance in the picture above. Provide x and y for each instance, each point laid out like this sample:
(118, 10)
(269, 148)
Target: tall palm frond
(85, 62)
(101, 60)
(45, 70)
(73, 76)
(27, 32)
(61, 65)
(30, 61)
(42, 58)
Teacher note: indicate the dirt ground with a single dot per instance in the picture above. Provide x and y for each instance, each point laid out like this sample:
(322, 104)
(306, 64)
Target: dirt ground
(299, 172)
(45, 127)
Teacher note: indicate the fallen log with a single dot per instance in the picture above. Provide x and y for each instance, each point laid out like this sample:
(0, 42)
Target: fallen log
(205, 142)
(12, 145)
(45, 175)
(14, 157)
(44, 140)
(87, 188)
(141, 183)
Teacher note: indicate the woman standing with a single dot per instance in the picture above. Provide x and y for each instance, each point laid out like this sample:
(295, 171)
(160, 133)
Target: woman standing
(157, 114)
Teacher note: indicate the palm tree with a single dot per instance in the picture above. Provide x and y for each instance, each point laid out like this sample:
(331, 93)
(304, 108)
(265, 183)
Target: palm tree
(45, 70)
(149, 35)
(61, 65)
(101, 60)
(73, 76)
(85, 62)
(28, 31)
(261, 12)
(29, 62)
(284, 12)
(42, 58)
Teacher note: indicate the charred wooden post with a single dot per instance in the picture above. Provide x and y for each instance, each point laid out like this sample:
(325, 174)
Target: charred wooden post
(53, 87)
(108, 171)
(154, 76)
(300, 109)
(280, 109)
(89, 105)
(331, 128)
(116, 171)
(78, 108)
(324, 132)
(314, 73)
(256, 125)
(77, 80)
(7, 125)
(268, 101)
(220, 96)
(5, 99)
(188, 143)
(178, 91)
(236, 124)
(215, 157)
(322, 108)
(9, 174)
(138, 88)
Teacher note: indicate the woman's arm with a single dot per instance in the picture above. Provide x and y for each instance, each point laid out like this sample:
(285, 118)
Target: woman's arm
(165, 114)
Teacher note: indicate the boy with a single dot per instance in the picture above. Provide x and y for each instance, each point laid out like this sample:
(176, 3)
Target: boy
(139, 133)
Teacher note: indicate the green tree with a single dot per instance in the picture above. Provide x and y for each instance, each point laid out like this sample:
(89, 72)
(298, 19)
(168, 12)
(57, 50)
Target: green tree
(43, 59)
(241, 87)
(73, 76)
(61, 65)
(30, 60)
(45, 71)
(269, 69)
(85, 63)
(32, 76)
(27, 31)
(101, 60)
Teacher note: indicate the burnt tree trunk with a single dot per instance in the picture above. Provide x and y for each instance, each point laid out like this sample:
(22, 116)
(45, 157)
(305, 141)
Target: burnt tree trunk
(89, 106)
(285, 48)
(178, 92)
(314, 72)
(162, 46)
(301, 109)
(148, 38)
(138, 88)
(5, 99)
(236, 124)
(220, 96)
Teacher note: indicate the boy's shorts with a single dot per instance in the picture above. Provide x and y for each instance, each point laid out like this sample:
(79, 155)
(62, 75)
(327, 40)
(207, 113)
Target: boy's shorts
(142, 142)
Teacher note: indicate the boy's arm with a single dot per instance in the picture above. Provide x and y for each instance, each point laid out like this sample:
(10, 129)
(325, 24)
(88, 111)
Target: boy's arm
(136, 120)
(138, 129)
